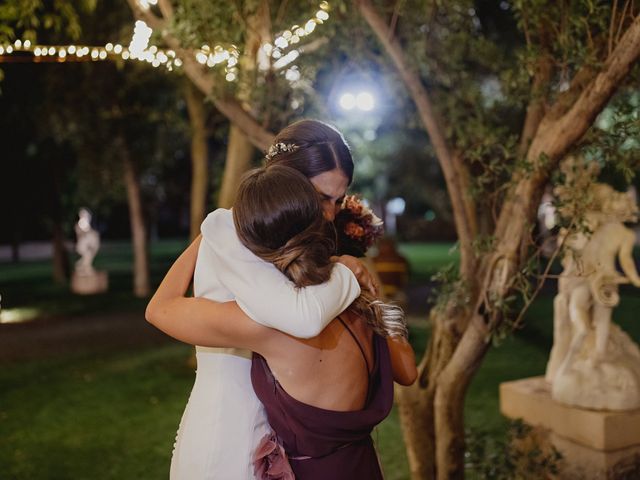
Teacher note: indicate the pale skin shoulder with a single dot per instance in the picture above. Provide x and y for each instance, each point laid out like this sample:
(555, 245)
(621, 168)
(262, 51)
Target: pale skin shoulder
(199, 321)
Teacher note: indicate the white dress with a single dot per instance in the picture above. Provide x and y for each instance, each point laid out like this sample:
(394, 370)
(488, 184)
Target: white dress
(224, 420)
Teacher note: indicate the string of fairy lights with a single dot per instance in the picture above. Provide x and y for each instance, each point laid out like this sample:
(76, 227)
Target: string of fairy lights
(277, 55)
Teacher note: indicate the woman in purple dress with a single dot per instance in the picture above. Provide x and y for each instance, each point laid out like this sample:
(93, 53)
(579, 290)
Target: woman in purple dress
(324, 395)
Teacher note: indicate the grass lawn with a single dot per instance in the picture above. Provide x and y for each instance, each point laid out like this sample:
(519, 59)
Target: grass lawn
(114, 415)
(110, 417)
(427, 258)
(88, 417)
(28, 284)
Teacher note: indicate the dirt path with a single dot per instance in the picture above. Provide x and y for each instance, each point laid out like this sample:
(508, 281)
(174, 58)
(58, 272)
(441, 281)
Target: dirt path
(50, 337)
(103, 332)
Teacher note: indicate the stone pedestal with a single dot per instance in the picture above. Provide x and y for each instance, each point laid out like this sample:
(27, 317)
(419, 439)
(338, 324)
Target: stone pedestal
(594, 444)
(89, 283)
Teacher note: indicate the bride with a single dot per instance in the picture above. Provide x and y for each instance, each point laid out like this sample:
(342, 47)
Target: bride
(223, 420)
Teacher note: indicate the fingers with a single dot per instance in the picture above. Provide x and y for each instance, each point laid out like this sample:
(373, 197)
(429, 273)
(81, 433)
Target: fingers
(367, 281)
(360, 271)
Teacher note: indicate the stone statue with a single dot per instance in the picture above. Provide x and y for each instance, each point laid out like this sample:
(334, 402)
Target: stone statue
(87, 244)
(86, 279)
(593, 363)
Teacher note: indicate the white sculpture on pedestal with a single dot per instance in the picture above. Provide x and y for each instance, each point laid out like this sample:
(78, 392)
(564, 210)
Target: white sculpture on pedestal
(87, 244)
(593, 363)
(86, 279)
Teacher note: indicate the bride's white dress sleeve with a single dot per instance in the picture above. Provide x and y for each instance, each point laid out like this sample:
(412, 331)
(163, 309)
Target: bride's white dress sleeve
(265, 294)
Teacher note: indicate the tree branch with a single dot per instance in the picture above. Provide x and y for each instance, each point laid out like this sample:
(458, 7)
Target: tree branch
(149, 18)
(611, 24)
(431, 123)
(465, 187)
(204, 81)
(536, 111)
(592, 99)
(166, 9)
(555, 136)
(537, 103)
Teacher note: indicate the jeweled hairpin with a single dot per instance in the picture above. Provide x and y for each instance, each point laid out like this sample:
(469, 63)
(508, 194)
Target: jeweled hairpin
(278, 148)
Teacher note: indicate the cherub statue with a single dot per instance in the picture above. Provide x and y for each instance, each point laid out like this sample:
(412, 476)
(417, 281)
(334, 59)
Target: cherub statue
(87, 244)
(592, 363)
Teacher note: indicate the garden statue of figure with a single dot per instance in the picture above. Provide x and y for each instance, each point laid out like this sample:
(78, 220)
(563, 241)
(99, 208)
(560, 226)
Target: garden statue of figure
(87, 244)
(86, 279)
(593, 363)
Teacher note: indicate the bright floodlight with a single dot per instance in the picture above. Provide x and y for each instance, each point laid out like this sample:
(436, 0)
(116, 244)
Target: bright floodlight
(348, 101)
(362, 100)
(365, 101)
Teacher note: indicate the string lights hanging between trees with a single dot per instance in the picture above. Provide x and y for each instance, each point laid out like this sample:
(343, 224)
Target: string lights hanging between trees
(270, 55)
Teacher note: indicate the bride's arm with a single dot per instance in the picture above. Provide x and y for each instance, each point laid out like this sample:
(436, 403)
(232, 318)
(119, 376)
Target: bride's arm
(403, 360)
(265, 294)
(197, 320)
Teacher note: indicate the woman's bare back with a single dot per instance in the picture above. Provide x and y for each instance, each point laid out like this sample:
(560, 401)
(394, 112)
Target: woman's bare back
(330, 371)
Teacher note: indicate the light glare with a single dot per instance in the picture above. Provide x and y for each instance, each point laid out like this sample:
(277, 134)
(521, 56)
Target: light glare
(348, 101)
(365, 101)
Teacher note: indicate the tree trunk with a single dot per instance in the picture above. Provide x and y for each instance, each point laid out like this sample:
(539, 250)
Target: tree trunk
(417, 403)
(449, 399)
(199, 158)
(141, 286)
(449, 160)
(61, 268)
(238, 161)
(415, 406)
(15, 246)
(240, 147)
(546, 137)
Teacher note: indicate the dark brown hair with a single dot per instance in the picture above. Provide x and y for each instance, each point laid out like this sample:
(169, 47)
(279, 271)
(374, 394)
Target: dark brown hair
(320, 148)
(278, 216)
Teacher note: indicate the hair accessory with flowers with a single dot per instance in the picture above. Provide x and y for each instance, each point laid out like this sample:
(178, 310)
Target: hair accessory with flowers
(357, 227)
(280, 147)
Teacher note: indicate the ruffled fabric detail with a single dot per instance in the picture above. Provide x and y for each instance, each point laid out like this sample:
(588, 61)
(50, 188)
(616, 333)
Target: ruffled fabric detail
(270, 461)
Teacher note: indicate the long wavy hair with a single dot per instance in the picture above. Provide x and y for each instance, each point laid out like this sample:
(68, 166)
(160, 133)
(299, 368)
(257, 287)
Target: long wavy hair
(278, 216)
(319, 148)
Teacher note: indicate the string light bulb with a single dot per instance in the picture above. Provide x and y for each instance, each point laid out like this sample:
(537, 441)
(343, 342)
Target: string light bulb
(140, 50)
(322, 15)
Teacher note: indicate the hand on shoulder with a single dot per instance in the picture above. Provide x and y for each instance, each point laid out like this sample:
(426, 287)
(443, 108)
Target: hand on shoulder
(362, 274)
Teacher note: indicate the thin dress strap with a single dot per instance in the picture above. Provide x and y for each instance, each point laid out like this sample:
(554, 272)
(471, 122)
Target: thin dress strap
(357, 343)
(355, 339)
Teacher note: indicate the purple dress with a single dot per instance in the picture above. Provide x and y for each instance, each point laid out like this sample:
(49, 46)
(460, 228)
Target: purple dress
(321, 443)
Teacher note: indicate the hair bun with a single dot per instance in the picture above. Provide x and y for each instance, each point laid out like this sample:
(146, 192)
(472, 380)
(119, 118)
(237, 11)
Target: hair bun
(305, 259)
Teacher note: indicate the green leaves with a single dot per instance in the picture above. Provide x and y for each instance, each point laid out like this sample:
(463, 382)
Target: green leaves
(24, 18)
(614, 140)
(521, 455)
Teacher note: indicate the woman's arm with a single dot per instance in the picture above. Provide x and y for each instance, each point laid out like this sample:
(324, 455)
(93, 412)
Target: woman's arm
(403, 360)
(264, 293)
(198, 320)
